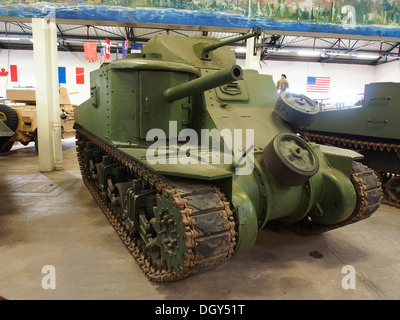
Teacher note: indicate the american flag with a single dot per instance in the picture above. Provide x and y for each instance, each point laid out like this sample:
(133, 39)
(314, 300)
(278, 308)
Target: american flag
(318, 84)
(102, 56)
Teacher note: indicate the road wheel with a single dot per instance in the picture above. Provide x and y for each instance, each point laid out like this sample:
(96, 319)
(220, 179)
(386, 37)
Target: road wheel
(9, 116)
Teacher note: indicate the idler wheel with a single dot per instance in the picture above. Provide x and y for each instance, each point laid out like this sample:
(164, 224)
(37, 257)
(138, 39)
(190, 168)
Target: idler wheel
(392, 188)
(296, 109)
(290, 159)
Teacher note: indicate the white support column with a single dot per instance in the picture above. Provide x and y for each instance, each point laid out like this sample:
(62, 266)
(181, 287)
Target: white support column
(47, 94)
(252, 61)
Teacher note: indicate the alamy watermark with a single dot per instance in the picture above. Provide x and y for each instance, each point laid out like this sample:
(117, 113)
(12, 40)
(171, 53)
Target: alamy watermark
(49, 280)
(349, 280)
(238, 147)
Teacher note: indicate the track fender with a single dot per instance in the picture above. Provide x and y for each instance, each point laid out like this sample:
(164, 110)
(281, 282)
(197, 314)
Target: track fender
(246, 217)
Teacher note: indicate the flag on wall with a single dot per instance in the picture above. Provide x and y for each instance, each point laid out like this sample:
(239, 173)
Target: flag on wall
(80, 75)
(62, 77)
(136, 47)
(90, 49)
(13, 73)
(102, 56)
(107, 53)
(124, 48)
(318, 84)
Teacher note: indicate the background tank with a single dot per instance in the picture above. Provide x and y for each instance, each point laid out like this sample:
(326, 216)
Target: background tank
(371, 129)
(189, 156)
(19, 114)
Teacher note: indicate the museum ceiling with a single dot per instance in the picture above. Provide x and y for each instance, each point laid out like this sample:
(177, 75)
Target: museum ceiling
(283, 46)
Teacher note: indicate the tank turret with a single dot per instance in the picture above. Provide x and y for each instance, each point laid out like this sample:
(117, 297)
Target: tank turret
(204, 50)
(189, 156)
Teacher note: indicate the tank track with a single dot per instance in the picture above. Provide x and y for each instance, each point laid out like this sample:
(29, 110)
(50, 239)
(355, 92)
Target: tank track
(204, 212)
(390, 202)
(369, 193)
(360, 145)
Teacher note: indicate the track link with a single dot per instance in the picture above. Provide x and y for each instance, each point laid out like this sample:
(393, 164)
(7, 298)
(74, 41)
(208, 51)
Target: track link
(352, 143)
(358, 145)
(390, 202)
(204, 213)
(369, 193)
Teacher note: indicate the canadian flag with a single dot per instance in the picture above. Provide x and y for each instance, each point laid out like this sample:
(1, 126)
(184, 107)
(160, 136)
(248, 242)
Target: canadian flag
(13, 73)
(107, 48)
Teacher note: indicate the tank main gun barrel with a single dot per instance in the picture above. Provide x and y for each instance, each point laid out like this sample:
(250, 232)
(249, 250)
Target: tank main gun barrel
(204, 83)
(204, 51)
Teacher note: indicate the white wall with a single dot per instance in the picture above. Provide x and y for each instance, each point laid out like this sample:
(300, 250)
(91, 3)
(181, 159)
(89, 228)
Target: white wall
(388, 72)
(345, 79)
(26, 72)
(78, 93)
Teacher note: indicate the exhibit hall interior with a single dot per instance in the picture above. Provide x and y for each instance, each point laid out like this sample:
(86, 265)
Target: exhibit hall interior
(211, 152)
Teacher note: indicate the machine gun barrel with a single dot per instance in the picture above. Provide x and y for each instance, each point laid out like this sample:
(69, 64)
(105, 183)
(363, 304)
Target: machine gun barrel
(204, 83)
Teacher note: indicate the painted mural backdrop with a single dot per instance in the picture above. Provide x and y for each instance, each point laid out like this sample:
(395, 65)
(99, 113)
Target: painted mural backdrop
(371, 17)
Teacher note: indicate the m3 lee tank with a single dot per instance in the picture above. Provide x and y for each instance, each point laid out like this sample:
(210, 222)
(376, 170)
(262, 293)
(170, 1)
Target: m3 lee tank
(189, 157)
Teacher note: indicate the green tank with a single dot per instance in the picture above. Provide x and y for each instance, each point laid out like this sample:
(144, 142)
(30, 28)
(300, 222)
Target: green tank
(189, 157)
(370, 128)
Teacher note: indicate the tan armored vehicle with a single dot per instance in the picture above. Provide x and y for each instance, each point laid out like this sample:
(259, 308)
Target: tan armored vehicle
(19, 116)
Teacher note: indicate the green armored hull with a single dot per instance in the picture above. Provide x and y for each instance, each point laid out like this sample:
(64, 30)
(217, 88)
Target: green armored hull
(372, 130)
(189, 156)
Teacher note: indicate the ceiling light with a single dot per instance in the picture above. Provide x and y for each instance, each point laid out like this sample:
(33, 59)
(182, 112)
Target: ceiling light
(280, 51)
(367, 56)
(309, 53)
(112, 44)
(10, 38)
(240, 50)
(341, 54)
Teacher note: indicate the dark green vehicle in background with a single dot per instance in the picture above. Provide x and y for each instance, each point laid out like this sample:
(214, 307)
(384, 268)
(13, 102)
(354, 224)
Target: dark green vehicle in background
(371, 128)
(182, 208)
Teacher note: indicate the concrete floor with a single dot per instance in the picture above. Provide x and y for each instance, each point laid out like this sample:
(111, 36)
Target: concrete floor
(51, 219)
